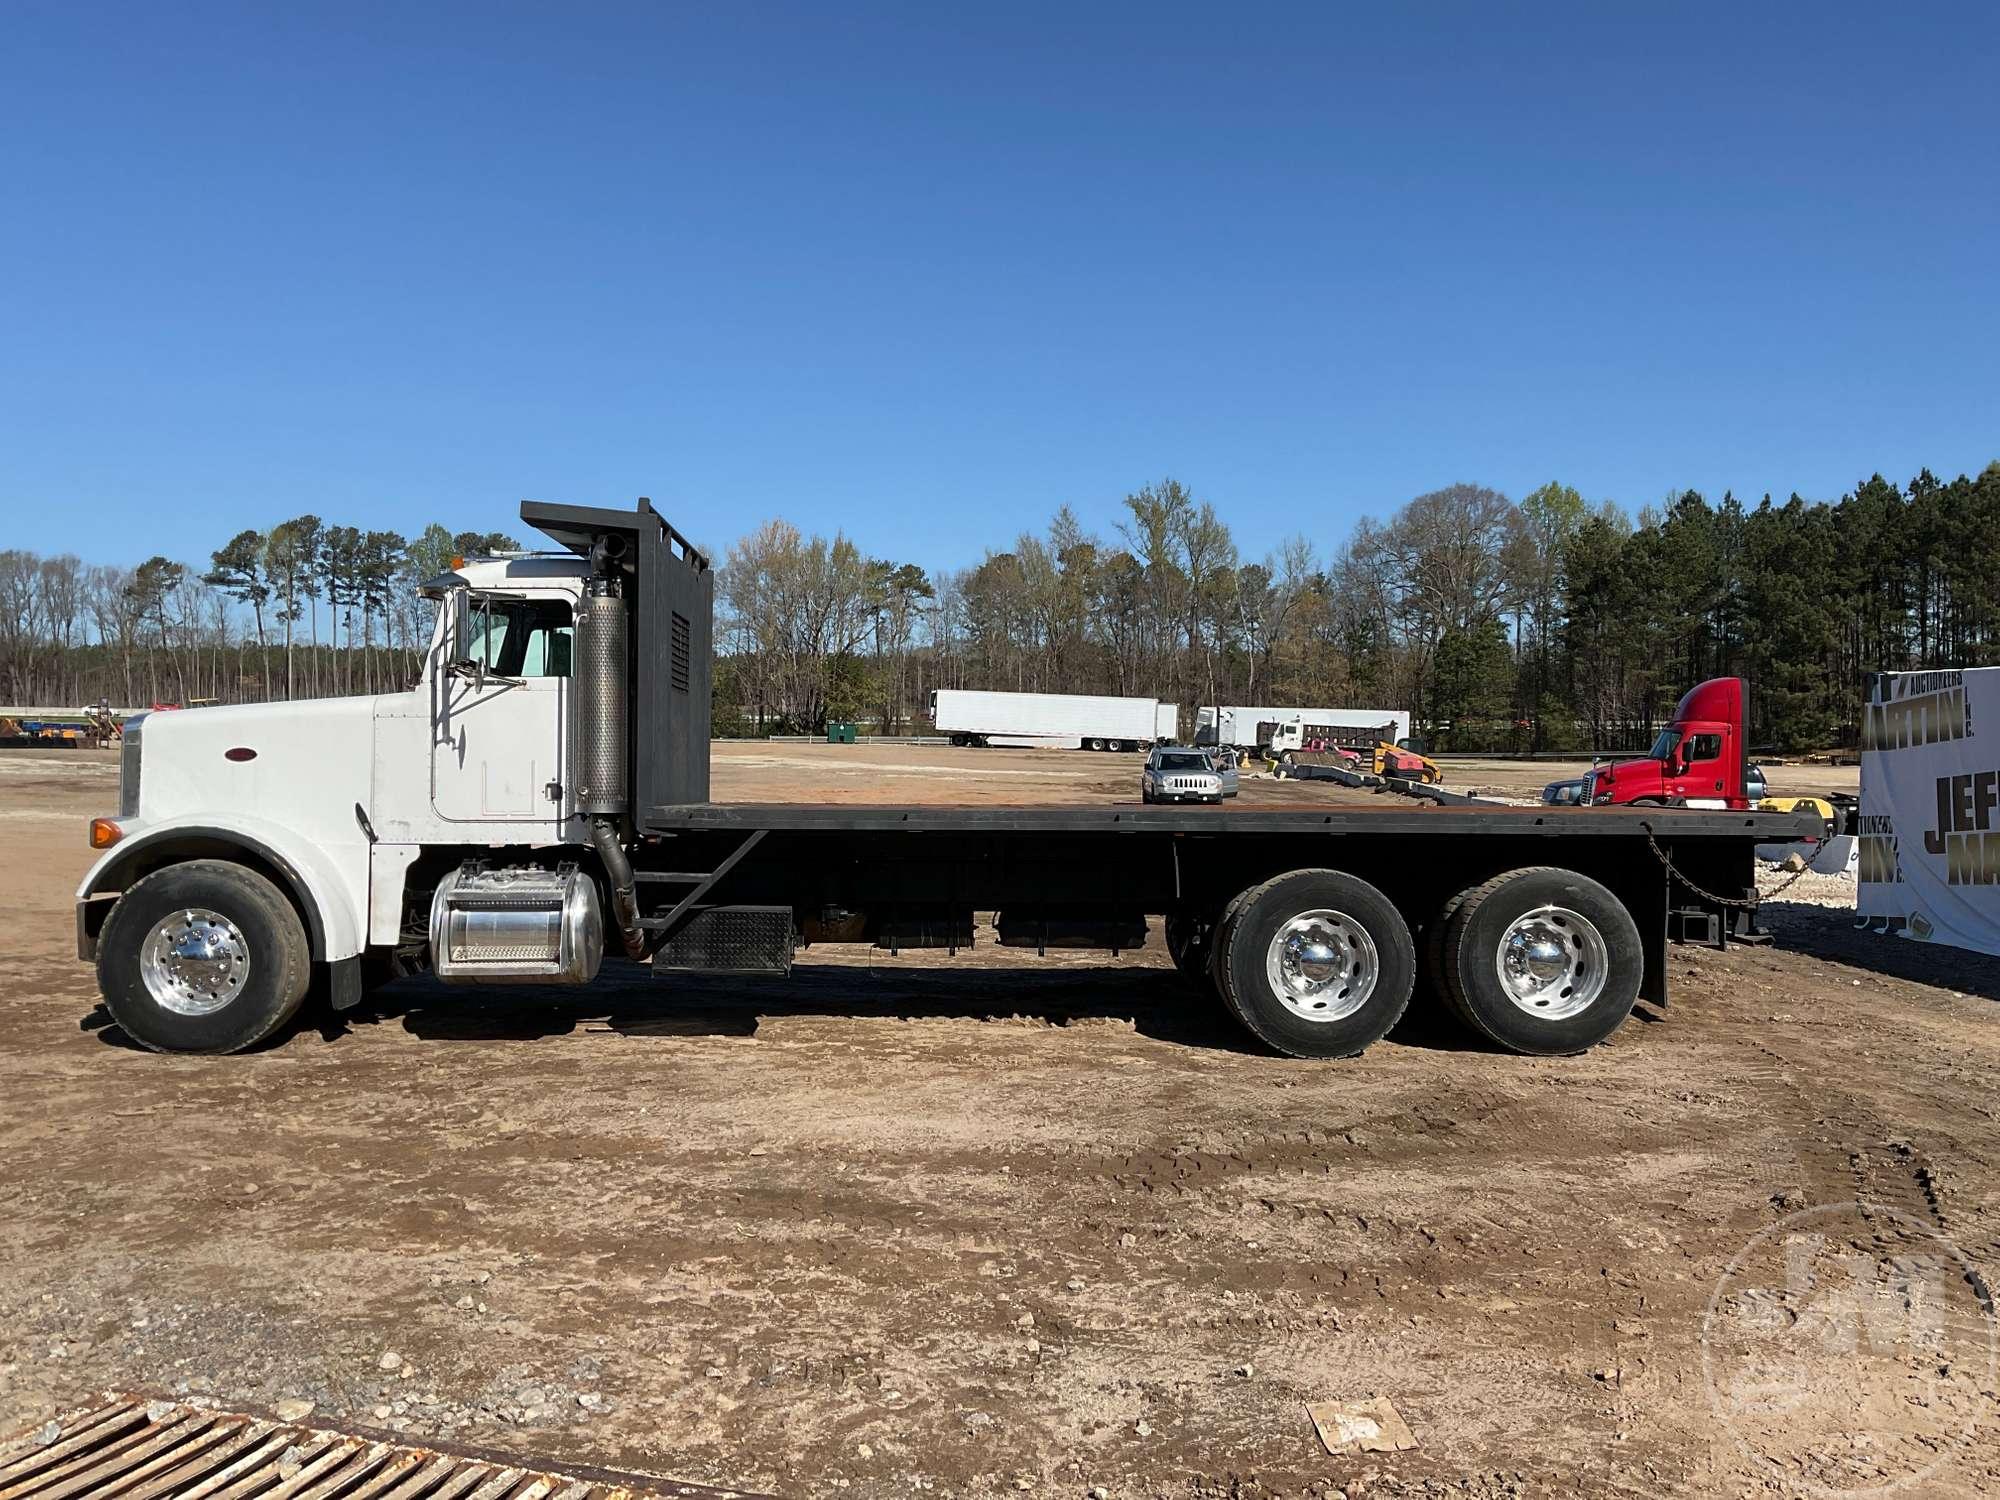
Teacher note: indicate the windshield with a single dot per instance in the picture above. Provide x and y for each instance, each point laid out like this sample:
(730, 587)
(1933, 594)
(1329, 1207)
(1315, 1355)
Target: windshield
(1183, 763)
(1663, 747)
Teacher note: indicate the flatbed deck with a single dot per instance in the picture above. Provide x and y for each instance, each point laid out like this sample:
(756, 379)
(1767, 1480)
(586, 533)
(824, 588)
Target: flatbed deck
(1670, 824)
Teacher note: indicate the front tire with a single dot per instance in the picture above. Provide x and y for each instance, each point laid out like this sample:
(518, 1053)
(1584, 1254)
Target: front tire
(205, 956)
(1316, 963)
(1542, 961)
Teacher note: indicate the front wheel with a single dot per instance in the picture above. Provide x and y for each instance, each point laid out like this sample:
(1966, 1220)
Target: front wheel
(1542, 960)
(1316, 963)
(205, 956)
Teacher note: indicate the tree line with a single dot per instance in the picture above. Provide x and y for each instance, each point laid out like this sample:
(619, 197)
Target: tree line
(1547, 623)
(1543, 623)
(245, 628)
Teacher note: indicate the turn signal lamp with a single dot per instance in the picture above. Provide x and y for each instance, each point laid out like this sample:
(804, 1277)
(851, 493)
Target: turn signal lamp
(104, 833)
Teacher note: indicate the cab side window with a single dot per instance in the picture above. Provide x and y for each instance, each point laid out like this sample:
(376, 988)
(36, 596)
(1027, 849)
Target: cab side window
(1703, 747)
(547, 653)
(515, 638)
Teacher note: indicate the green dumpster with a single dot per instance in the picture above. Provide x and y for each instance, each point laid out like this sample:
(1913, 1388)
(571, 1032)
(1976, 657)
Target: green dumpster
(841, 733)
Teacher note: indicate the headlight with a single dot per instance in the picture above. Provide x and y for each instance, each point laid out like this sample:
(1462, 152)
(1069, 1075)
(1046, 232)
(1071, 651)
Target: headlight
(128, 768)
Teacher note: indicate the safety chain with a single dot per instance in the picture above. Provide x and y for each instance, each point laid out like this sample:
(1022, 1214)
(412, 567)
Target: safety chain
(1749, 904)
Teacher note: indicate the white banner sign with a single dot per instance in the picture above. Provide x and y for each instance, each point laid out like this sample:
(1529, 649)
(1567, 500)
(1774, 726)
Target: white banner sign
(1930, 807)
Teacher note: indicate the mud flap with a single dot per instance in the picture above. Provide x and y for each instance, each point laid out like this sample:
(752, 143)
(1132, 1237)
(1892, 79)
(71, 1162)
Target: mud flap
(343, 982)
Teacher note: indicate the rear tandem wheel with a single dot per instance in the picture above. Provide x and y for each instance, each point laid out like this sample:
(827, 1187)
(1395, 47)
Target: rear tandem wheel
(1315, 963)
(1540, 960)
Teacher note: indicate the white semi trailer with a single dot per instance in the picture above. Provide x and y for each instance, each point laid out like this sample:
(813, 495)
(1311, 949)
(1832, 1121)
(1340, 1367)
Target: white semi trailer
(1241, 726)
(1068, 721)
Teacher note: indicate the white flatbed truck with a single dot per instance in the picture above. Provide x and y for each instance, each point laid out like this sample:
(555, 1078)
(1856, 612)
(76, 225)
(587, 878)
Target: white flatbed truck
(540, 799)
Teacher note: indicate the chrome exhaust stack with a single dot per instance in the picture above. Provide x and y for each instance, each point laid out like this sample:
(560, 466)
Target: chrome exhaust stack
(601, 737)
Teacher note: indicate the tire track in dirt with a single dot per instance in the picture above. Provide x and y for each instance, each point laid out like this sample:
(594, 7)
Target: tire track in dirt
(1858, 1157)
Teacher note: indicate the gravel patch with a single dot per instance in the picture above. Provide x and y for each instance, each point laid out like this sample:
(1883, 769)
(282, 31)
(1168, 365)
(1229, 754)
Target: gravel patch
(1811, 888)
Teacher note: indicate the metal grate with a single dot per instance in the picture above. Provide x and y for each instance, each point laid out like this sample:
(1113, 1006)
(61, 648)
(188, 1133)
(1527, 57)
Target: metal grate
(728, 940)
(682, 655)
(164, 1450)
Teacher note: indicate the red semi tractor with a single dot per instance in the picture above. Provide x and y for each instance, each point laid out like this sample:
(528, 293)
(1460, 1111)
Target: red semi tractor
(1701, 758)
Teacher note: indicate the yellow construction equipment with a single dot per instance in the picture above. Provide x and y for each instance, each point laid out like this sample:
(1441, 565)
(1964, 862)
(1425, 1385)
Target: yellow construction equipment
(1394, 760)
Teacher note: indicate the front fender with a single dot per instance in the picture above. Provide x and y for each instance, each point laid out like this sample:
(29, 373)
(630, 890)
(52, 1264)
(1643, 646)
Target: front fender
(329, 886)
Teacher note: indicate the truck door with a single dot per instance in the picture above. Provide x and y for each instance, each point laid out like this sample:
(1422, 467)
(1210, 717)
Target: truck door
(1705, 757)
(497, 746)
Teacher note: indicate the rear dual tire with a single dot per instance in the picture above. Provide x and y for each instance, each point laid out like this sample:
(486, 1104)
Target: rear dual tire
(1542, 961)
(1315, 963)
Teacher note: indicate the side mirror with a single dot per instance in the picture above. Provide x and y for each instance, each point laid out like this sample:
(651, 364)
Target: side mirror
(458, 631)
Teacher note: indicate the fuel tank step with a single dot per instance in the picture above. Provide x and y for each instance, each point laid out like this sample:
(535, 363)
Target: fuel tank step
(729, 940)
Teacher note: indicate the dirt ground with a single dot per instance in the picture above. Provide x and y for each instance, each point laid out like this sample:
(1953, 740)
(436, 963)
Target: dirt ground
(1011, 1225)
(783, 771)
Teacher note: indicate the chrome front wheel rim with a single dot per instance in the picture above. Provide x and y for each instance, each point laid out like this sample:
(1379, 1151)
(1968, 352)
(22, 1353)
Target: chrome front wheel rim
(1322, 965)
(1552, 963)
(194, 961)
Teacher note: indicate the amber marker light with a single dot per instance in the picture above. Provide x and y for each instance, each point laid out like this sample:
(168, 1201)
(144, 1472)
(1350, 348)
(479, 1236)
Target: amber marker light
(104, 833)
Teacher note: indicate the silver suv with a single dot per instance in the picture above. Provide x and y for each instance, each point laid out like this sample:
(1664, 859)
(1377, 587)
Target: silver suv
(1176, 774)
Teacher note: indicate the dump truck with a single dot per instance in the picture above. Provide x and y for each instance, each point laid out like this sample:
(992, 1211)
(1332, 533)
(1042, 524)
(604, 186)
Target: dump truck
(1248, 727)
(537, 806)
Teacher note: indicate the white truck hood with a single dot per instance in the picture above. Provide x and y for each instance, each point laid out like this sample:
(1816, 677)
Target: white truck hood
(304, 764)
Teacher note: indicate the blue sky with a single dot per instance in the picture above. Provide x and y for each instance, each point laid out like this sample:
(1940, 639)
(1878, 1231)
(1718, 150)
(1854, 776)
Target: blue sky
(925, 272)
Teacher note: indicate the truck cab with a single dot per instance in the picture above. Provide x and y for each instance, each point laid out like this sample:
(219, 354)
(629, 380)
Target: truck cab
(1700, 759)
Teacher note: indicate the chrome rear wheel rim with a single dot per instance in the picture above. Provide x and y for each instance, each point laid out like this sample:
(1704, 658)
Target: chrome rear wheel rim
(1322, 965)
(1552, 963)
(194, 961)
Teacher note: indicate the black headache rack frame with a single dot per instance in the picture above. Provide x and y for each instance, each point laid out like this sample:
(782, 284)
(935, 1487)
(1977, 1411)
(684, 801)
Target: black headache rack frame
(671, 592)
